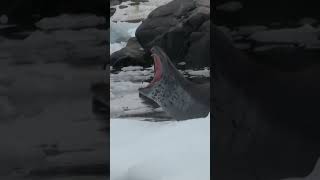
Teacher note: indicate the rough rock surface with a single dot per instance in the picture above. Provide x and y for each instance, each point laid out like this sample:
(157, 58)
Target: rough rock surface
(132, 54)
(181, 28)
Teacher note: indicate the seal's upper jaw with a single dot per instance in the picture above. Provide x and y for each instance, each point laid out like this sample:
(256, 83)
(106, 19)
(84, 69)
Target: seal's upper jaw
(158, 69)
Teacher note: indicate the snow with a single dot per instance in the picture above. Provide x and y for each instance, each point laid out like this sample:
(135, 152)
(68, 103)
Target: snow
(172, 150)
(314, 175)
(136, 12)
(124, 96)
(122, 31)
(131, 68)
(67, 21)
(204, 72)
(117, 46)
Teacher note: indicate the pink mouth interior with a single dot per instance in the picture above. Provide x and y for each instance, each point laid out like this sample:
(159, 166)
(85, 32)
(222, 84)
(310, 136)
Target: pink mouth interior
(157, 69)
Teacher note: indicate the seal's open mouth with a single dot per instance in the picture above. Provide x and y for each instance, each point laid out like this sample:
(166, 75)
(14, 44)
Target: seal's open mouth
(157, 69)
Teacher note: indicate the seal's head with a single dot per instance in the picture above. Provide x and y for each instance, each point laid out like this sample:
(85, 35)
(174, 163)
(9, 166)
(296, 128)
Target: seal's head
(166, 76)
(163, 70)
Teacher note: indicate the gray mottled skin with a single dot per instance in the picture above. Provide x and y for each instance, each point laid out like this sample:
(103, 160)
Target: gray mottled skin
(177, 96)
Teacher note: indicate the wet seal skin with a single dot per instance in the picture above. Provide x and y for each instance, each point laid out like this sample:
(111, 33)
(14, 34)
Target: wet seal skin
(178, 97)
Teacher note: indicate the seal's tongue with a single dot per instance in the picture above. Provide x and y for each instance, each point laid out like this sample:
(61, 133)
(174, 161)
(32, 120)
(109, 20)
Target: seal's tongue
(157, 69)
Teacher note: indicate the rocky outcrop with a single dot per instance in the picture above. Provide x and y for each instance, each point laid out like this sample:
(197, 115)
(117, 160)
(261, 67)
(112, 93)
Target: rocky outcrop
(132, 54)
(182, 29)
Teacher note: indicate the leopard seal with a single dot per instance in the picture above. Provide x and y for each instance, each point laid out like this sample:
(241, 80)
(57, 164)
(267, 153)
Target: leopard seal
(178, 97)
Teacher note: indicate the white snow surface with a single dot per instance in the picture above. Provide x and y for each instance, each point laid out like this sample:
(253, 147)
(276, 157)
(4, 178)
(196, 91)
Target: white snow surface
(124, 96)
(175, 150)
(122, 31)
(117, 46)
(136, 12)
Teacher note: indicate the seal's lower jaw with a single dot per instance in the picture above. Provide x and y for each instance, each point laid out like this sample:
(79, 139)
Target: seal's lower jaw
(157, 71)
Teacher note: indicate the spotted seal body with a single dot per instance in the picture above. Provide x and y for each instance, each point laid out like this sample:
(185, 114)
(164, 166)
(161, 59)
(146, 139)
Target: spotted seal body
(179, 97)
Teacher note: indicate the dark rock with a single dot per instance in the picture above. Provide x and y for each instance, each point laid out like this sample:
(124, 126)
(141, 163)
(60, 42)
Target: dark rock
(133, 20)
(182, 29)
(265, 117)
(134, 3)
(112, 11)
(123, 6)
(132, 54)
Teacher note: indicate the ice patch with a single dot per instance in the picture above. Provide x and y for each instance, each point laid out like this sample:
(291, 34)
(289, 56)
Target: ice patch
(122, 31)
(154, 151)
(205, 72)
(124, 95)
(132, 68)
(117, 46)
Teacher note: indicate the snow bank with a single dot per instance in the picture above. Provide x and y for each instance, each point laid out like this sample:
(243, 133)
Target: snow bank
(136, 12)
(124, 95)
(67, 21)
(176, 150)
